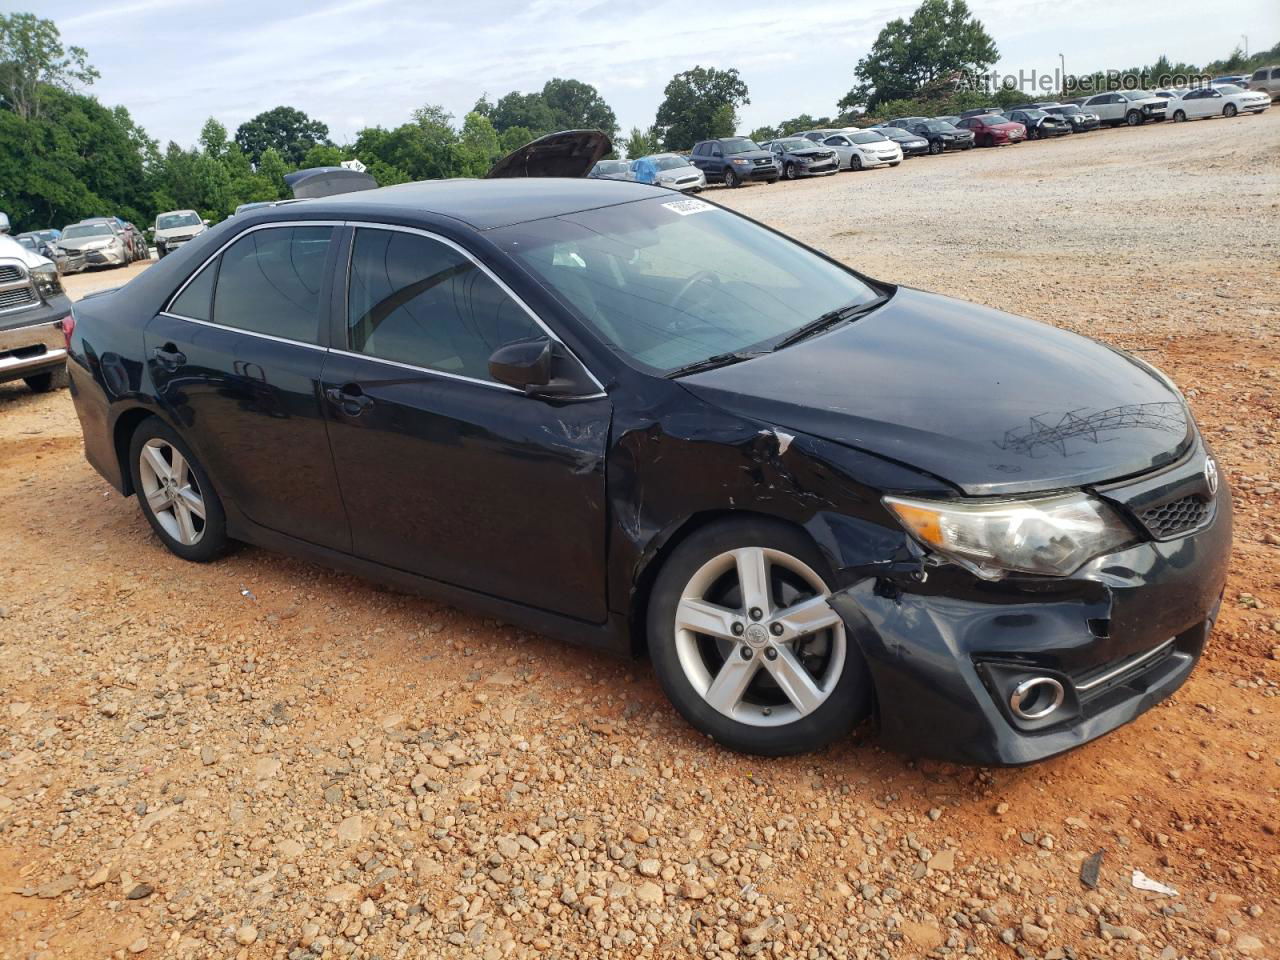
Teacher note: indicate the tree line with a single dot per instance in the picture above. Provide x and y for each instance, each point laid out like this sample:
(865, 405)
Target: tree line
(64, 156)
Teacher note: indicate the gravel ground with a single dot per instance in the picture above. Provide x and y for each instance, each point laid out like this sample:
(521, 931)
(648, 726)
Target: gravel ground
(262, 758)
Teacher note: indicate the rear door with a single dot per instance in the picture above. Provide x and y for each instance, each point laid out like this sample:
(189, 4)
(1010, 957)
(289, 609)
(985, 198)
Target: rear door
(236, 359)
(444, 471)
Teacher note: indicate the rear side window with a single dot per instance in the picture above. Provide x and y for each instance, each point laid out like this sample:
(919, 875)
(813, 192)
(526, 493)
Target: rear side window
(196, 301)
(1275, 74)
(269, 282)
(416, 300)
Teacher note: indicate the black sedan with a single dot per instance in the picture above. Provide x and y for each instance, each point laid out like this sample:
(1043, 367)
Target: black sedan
(1040, 125)
(646, 423)
(941, 135)
(912, 144)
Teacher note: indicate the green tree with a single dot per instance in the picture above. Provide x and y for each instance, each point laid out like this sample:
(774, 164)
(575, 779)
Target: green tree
(32, 59)
(513, 138)
(700, 104)
(578, 106)
(213, 139)
(641, 143)
(527, 110)
(940, 39)
(271, 170)
(323, 155)
(287, 129)
(477, 147)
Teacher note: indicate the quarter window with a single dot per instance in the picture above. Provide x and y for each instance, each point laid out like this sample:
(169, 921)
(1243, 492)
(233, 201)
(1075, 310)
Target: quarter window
(416, 300)
(269, 282)
(196, 301)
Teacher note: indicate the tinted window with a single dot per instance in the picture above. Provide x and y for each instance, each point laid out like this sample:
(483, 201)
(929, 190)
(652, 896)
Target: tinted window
(269, 282)
(416, 300)
(197, 299)
(1275, 74)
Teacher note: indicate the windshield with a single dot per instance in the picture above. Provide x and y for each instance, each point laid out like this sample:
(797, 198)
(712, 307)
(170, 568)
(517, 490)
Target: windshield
(167, 221)
(796, 143)
(896, 133)
(1034, 114)
(1137, 94)
(1226, 89)
(1065, 111)
(741, 145)
(87, 230)
(611, 166)
(671, 163)
(939, 126)
(28, 242)
(868, 136)
(670, 282)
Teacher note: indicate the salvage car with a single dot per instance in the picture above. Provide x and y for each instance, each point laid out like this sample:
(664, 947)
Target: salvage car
(1039, 125)
(942, 136)
(993, 130)
(801, 157)
(734, 161)
(670, 170)
(34, 318)
(41, 242)
(175, 228)
(1081, 120)
(611, 170)
(1225, 100)
(1130, 107)
(646, 423)
(864, 149)
(101, 243)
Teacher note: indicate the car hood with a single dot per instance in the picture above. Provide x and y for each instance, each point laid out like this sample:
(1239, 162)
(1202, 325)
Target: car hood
(990, 402)
(188, 230)
(569, 153)
(83, 243)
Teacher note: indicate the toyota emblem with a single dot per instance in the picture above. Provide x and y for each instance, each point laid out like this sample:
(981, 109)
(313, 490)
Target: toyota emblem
(1211, 475)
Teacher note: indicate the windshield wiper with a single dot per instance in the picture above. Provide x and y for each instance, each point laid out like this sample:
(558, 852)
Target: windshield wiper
(719, 360)
(829, 319)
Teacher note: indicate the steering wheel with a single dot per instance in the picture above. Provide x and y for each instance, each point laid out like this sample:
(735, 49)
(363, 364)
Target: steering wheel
(677, 302)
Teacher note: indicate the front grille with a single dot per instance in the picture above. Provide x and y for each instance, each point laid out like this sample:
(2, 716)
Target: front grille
(1176, 516)
(16, 298)
(763, 161)
(10, 274)
(23, 353)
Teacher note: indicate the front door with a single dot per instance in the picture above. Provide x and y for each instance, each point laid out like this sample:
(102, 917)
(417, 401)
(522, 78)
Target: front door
(444, 471)
(236, 360)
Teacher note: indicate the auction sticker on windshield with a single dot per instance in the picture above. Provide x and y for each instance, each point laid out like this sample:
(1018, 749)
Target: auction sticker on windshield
(686, 207)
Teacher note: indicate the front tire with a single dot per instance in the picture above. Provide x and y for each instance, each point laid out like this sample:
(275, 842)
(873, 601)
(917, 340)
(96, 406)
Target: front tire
(745, 644)
(1133, 118)
(789, 171)
(1229, 110)
(1179, 116)
(175, 493)
(935, 147)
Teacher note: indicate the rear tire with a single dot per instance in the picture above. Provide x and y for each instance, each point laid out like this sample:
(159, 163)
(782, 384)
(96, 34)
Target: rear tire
(799, 689)
(54, 379)
(175, 493)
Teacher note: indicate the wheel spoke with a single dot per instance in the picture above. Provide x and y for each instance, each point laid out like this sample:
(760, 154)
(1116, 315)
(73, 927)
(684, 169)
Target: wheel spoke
(158, 500)
(157, 462)
(180, 468)
(707, 618)
(808, 616)
(731, 682)
(186, 529)
(795, 681)
(192, 501)
(753, 576)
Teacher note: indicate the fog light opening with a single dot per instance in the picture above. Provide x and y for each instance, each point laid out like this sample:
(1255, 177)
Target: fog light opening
(1036, 698)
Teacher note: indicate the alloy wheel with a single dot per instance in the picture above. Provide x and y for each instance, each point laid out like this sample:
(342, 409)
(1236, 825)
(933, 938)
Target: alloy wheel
(1229, 110)
(756, 638)
(172, 491)
(1179, 116)
(935, 147)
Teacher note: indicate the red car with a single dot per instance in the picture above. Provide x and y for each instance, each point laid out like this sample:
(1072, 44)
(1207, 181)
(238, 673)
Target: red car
(991, 130)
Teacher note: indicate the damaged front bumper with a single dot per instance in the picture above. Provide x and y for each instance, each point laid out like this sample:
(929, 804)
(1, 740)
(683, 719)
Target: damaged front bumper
(951, 655)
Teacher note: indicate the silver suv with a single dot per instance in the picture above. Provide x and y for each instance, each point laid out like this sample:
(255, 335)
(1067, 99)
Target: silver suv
(35, 317)
(1132, 107)
(1266, 80)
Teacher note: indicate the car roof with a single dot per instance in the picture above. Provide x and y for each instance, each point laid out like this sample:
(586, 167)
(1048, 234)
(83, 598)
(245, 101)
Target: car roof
(480, 204)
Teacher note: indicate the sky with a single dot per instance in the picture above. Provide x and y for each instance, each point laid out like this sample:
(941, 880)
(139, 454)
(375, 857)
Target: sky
(357, 63)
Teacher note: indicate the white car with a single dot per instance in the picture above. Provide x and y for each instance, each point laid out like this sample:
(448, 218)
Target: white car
(1132, 107)
(175, 228)
(1222, 100)
(864, 148)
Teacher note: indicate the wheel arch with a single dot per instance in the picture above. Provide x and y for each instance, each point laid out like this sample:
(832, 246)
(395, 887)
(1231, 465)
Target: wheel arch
(122, 430)
(665, 543)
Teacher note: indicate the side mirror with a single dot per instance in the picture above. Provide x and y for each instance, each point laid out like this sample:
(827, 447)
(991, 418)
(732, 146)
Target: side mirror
(540, 367)
(205, 222)
(4, 223)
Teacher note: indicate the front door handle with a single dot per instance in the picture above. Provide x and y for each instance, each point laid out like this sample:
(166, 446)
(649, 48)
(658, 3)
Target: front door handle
(169, 356)
(349, 398)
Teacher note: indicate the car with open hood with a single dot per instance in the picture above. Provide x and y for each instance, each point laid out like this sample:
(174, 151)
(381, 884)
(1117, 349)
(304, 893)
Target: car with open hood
(801, 157)
(647, 424)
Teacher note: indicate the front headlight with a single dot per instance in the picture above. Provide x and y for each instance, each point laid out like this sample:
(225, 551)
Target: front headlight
(1052, 536)
(740, 160)
(46, 280)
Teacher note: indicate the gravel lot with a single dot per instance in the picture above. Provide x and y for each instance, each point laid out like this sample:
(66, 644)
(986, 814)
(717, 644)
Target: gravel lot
(261, 758)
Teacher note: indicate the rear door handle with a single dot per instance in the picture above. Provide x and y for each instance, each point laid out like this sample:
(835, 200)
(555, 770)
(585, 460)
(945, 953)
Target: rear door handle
(349, 398)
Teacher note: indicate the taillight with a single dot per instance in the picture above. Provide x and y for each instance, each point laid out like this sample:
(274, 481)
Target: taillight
(68, 325)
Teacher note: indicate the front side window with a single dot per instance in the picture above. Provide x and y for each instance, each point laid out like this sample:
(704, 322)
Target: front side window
(415, 300)
(669, 283)
(269, 282)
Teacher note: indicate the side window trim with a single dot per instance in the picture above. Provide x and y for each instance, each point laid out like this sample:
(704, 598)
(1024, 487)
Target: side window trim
(209, 263)
(342, 344)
